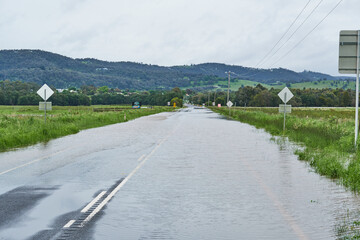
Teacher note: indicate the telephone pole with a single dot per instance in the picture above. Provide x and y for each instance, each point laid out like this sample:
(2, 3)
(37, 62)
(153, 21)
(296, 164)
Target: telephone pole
(228, 92)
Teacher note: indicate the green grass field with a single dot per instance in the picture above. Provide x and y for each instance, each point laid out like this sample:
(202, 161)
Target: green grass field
(234, 86)
(326, 137)
(24, 125)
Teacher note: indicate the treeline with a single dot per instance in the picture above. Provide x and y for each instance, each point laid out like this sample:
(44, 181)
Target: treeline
(23, 93)
(259, 96)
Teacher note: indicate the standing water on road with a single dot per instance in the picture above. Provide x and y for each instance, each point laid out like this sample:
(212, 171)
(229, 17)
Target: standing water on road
(220, 179)
(194, 175)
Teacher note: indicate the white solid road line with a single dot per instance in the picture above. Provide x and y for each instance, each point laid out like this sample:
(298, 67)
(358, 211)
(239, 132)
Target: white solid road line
(34, 161)
(107, 199)
(69, 224)
(85, 209)
(141, 158)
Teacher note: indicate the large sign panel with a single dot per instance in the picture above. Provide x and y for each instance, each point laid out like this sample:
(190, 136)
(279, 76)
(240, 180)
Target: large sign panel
(348, 51)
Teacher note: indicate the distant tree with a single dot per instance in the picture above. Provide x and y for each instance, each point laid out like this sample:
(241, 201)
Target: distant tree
(176, 90)
(88, 89)
(103, 89)
(178, 101)
(262, 99)
(220, 100)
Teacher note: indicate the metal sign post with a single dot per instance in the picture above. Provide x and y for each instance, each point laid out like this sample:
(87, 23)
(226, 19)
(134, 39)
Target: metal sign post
(357, 90)
(45, 92)
(229, 104)
(285, 96)
(45, 103)
(357, 83)
(349, 63)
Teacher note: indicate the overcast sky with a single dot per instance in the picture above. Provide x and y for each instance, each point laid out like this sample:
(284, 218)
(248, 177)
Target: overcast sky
(178, 32)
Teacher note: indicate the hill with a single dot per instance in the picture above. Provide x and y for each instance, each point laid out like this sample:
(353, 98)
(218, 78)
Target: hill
(62, 72)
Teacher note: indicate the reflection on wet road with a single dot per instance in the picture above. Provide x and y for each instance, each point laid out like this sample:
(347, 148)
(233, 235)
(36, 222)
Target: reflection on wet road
(185, 175)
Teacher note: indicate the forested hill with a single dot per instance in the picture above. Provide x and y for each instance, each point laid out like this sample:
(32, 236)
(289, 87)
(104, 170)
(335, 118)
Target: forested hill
(62, 72)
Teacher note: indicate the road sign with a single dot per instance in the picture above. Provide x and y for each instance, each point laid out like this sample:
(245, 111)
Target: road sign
(45, 92)
(284, 108)
(349, 62)
(285, 95)
(229, 104)
(42, 106)
(348, 51)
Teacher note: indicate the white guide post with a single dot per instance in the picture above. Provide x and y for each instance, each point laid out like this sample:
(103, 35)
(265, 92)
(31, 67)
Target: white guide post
(284, 111)
(357, 90)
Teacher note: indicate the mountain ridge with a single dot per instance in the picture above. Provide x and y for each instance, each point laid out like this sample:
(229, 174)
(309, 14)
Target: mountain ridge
(60, 71)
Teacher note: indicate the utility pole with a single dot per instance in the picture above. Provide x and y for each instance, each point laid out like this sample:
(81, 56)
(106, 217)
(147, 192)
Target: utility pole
(228, 91)
(208, 99)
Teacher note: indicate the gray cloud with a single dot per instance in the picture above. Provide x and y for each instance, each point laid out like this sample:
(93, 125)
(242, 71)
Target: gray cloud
(177, 32)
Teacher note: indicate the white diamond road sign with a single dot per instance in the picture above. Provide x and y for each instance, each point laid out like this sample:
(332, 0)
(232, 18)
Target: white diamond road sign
(229, 104)
(285, 93)
(45, 92)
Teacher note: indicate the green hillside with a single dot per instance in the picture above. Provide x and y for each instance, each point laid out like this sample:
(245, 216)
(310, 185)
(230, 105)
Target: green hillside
(322, 84)
(63, 72)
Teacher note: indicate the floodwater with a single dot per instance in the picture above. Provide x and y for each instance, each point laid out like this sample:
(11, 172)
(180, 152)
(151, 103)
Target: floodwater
(205, 177)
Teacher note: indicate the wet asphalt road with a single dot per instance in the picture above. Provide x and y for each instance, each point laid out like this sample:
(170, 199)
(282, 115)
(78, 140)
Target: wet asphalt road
(185, 175)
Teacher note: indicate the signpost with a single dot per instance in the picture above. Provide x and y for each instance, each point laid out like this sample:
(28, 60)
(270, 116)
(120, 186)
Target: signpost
(45, 92)
(285, 95)
(349, 63)
(229, 104)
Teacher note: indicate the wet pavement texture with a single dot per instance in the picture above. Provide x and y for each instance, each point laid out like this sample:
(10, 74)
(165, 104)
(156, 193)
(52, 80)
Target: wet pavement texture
(190, 174)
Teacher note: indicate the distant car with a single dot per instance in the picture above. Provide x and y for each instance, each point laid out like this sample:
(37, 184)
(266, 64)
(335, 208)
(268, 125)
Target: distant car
(136, 104)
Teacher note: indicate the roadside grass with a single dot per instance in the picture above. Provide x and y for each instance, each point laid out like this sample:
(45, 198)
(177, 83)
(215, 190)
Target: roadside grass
(327, 135)
(24, 125)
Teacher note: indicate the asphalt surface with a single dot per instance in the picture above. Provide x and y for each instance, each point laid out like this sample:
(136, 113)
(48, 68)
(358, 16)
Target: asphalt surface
(185, 175)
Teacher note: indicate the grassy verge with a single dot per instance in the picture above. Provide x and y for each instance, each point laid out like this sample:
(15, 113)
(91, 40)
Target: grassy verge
(326, 134)
(24, 125)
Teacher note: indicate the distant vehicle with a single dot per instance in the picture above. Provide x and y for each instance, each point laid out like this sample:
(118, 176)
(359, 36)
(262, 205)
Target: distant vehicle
(136, 104)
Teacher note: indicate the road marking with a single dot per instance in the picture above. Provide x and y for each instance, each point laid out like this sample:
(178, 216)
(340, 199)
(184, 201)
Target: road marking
(29, 163)
(85, 209)
(141, 158)
(69, 224)
(108, 198)
(272, 196)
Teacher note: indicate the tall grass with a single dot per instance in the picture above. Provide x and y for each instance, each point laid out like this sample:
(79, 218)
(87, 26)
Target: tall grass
(22, 127)
(327, 134)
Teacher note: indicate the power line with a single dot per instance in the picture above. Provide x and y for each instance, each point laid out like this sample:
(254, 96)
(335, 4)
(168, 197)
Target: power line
(297, 29)
(283, 34)
(307, 34)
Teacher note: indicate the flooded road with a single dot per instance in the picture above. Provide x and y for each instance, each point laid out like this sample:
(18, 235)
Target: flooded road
(185, 175)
